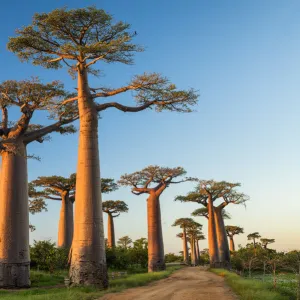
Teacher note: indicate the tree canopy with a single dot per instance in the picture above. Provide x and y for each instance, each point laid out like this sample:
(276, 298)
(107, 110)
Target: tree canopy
(233, 230)
(203, 212)
(82, 37)
(152, 178)
(30, 96)
(114, 207)
(183, 222)
(124, 241)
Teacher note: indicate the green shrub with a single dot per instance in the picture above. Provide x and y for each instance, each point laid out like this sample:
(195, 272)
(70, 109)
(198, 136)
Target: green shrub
(46, 256)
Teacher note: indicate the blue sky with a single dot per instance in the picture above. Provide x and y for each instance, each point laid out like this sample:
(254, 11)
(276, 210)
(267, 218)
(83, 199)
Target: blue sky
(243, 57)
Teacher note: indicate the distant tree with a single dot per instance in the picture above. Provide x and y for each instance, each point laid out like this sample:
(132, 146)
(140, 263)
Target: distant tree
(265, 242)
(124, 241)
(206, 193)
(140, 243)
(184, 223)
(231, 232)
(78, 39)
(36, 203)
(113, 210)
(199, 237)
(172, 257)
(29, 97)
(153, 180)
(253, 237)
(108, 185)
(193, 231)
(61, 189)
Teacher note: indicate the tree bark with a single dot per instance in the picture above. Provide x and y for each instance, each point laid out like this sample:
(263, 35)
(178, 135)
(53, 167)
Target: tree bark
(14, 224)
(232, 246)
(198, 251)
(193, 253)
(111, 242)
(212, 235)
(66, 223)
(156, 257)
(88, 261)
(224, 253)
(185, 248)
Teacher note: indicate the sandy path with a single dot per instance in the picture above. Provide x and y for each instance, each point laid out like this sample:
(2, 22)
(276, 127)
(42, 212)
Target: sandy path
(185, 284)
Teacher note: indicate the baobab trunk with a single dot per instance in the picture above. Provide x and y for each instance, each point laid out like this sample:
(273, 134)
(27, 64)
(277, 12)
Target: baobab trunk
(212, 236)
(193, 253)
(88, 261)
(224, 253)
(156, 257)
(198, 251)
(66, 223)
(14, 224)
(232, 246)
(110, 232)
(185, 248)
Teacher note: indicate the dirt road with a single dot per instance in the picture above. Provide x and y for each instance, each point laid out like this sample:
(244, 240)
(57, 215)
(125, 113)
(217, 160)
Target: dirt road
(185, 284)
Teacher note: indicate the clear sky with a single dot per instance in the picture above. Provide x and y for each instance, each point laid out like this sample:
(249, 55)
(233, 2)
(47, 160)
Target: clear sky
(243, 57)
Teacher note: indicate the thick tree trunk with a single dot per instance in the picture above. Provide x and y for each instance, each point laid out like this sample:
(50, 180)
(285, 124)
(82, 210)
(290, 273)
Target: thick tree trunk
(66, 223)
(223, 247)
(110, 232)
(14, 222)
(232, 246)
(88, 261)
(185, 248)
(156, 257)
(212, 236)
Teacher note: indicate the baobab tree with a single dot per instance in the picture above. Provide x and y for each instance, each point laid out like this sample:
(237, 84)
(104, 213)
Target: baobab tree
(113, 210)
(28, 96)
(78, 39)
(194, 230)
(60, 189)
(253, 237)
(124, 241)
(206, 193)
(153, 180)
(231, 231)
(199, 237)
(265, 242)
(184, 223)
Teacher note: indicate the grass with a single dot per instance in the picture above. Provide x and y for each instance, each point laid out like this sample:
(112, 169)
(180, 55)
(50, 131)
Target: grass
(41, 280)
(251, 289)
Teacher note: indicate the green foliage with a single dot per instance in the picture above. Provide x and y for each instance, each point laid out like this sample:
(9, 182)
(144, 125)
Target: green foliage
(172, 257)
(108, 185)
(45, 256)
(250, 289)
(114, 207)
(133, 259)
(233, 230)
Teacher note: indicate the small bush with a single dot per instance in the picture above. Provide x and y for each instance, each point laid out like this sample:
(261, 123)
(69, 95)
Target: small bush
(46, 256)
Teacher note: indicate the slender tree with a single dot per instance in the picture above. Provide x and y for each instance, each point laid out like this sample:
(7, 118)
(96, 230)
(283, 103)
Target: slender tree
(253, 237)
(113, 210)
(184, 223)
(29, 96)
(231, 231)
(124, 241)
(80, 38)
(193, 230)
(206, 193)
(61, 189)
(153, 180)
(199, 237)
(265, 242)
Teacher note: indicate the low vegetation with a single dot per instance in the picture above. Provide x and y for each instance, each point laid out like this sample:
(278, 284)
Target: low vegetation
(44, 280)
(251, 289)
